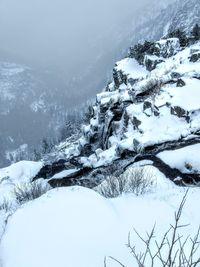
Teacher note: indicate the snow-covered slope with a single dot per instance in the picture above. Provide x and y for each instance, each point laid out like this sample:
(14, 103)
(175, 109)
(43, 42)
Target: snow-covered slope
(140, 114)
(77, 227)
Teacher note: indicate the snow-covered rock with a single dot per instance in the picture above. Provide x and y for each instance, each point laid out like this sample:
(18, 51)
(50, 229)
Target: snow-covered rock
(156, 109)
(140, 114)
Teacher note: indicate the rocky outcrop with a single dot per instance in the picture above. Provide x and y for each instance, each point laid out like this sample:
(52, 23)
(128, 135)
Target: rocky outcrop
(140, 114)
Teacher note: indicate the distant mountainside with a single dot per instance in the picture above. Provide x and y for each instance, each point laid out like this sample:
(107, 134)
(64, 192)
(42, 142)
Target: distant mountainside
(30, 107)
(183, 14)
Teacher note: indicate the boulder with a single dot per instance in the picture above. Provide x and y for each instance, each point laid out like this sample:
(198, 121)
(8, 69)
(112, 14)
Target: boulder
(147, 105)
(179, 112)
(136, 122)
(180, 83)
(151, 62)
(168, 48)
(195, 57)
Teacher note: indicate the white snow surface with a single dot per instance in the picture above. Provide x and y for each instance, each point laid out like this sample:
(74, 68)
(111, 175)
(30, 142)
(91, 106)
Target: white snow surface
(186, 97)
(15, 174)
(20, 171)
(183, 157)
(130, 67)
(64, 173)
(77, 227)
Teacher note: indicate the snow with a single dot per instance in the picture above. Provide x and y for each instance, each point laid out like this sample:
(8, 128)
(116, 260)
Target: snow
(180, 95)
(18, 173)
(65, 228)
(64, 173)
(11, 69)
(183, 157)
(130, 67)
(38, 105)
(103, 158)
(155, 130)
(77, 227)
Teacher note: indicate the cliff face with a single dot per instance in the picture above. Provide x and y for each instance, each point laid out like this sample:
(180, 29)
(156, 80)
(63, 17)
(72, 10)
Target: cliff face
(149, 111)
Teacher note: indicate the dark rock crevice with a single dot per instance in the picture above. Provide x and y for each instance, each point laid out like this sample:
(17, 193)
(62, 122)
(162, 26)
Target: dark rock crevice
(89, 177)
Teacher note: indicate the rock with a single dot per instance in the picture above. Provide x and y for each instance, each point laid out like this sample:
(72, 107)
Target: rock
(151, 62)
(136, 146)
(179, 112)
(115, 127)
(195, 57)
(156, 111)
(86, 150)
(98, 152)
(168, 47)
(132, 81)
(136, 122)
(180, 83)
(119, 78)
(51, 169)
(175, 75)
(147, 105)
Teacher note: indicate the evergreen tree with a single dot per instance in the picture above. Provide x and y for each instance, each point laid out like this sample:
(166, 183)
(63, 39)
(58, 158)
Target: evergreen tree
(46, 146)
(196, 32)
(139, 50)
(181, 35)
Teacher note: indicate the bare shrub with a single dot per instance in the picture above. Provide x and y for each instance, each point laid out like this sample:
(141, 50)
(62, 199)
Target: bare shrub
(29, 191)
(135, 180)
(112, 187)
(139, 181)
(170, 251)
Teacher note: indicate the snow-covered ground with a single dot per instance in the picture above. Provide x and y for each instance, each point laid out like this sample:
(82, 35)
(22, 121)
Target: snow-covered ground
(131, 68)
(185, 159)
(77, 227)
(18, 173)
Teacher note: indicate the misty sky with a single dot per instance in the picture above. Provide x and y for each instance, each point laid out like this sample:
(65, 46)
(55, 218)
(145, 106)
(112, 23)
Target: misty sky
(57, 31)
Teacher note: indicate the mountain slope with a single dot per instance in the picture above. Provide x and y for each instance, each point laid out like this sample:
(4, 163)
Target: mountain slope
(183, 14)
(146, 110)
(28, 108)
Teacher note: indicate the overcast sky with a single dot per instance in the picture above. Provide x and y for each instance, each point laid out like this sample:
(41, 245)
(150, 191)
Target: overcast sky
(57, 31)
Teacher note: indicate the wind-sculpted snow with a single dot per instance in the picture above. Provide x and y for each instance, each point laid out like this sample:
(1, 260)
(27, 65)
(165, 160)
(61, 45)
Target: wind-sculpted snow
(77, 227)
(19, 173)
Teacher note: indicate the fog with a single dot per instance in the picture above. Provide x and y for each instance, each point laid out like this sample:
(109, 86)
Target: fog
(60, 33)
